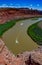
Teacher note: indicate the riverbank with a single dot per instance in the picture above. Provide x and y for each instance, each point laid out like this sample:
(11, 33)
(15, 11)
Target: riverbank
(8, 24)
(35, 32)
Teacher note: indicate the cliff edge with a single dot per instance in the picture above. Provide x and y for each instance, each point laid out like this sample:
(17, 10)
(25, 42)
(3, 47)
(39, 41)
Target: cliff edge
(26, 58)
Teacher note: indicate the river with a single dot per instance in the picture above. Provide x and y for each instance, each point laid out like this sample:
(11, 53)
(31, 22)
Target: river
(16, 38)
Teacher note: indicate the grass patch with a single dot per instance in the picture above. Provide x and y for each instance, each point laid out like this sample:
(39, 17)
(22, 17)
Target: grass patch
(4, 27)
(35, 33)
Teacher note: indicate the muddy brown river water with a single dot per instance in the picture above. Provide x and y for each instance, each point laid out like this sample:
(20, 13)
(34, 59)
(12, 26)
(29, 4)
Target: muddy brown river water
(16, 38)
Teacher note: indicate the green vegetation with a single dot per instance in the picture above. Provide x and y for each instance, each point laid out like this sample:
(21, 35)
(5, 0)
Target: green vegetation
(35, 33)
(4, 27)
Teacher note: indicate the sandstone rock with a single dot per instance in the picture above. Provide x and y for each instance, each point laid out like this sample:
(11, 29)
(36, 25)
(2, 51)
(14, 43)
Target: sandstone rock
(1, 45)
(32, 58)
(17, 13)
(36, 57)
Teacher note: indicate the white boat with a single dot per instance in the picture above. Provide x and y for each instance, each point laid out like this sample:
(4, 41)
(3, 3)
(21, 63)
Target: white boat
(17, 41)
(21, 24)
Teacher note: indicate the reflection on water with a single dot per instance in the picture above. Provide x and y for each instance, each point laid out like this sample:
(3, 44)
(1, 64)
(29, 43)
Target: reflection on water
(18, 34)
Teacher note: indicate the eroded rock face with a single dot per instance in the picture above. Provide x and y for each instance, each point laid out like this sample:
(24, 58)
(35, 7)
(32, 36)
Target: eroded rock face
(7, 14)
(32, 58)
(25, 58)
